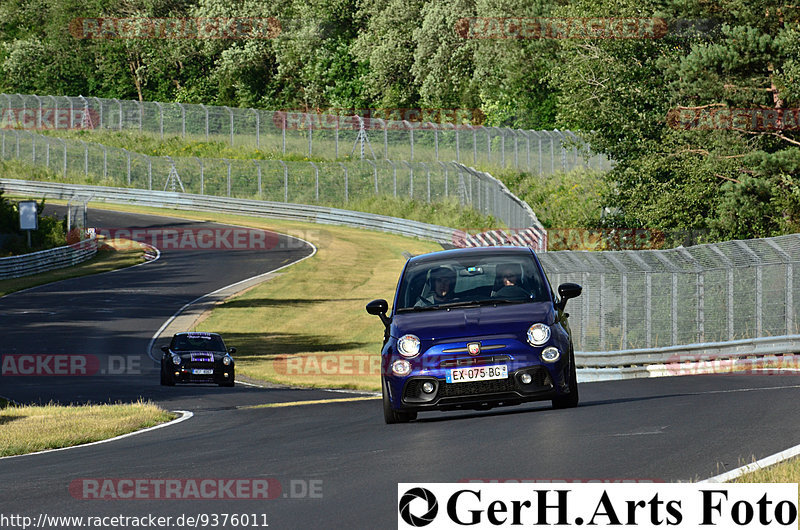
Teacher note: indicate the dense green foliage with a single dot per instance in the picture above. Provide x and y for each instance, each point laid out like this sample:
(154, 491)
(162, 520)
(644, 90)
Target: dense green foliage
(670, 175)
(51, 232)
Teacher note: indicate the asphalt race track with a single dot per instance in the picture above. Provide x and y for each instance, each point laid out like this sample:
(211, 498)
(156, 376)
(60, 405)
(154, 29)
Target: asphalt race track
(336, 464)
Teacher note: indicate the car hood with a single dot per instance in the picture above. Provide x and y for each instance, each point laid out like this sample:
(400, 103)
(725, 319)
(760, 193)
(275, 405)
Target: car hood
(442, 324)
(199, 355)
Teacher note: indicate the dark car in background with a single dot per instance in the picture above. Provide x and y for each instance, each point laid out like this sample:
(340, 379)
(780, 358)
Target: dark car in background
(197, 357)
(475, 329)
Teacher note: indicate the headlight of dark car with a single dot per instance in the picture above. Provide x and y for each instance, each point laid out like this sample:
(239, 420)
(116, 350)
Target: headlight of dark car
(538, 334)
(408, 346)
(227, 360)
(176, 360)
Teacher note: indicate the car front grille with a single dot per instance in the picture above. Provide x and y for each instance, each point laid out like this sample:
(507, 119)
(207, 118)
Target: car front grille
(473, 388)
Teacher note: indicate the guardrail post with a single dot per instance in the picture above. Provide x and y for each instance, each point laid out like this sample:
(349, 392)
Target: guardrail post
(128, 165)
(374, 173)
(410, 179)
(394, 175)
(105, 161)
(346, 184)
(202, 176)
(316, 181)
(283, 132)
(759, 300)
(674, 308)
(648, 312)
(228, 162)
(230, 112)
(149, 173)
(258, 129)
(85, 159)
(701, 308)
(160, 119)
(600, 311)
(205, 109)
(285, 181)
(446, 185)
(258, 168)
(624, 304)
(310, 126)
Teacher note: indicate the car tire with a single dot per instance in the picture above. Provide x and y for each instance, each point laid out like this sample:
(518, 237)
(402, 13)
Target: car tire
(228, 384)
(570, 400)
(389, 414)
(166, 380)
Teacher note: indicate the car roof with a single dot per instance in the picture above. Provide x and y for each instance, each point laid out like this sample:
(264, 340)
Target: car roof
(196, 333)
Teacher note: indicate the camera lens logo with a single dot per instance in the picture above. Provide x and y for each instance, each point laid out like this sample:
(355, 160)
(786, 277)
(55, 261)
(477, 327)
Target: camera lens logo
(405, 507)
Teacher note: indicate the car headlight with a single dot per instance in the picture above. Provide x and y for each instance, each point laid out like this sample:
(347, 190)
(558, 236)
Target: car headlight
(551, 354)
(176, 360)
(408, 346)
(538, 334)
(227, 360)
(401, 367)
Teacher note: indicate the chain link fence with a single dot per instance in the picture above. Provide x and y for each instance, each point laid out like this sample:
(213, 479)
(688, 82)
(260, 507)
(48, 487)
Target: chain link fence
(322, 183)
(706, 293)
(320, 135)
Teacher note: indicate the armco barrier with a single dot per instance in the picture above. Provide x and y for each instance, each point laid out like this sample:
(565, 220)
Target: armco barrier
(46, 260)
(759, 355)
(188, 201)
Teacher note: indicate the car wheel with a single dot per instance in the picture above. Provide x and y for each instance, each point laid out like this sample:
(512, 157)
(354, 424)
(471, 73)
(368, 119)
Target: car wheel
(570, 400)
(166, 380)
(389, 414)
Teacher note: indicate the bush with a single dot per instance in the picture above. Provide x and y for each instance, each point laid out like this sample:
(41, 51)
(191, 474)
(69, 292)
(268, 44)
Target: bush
(13, 241)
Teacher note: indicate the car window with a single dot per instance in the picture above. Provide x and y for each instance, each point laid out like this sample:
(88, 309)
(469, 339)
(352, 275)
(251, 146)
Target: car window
(198, 341)
(495, 278)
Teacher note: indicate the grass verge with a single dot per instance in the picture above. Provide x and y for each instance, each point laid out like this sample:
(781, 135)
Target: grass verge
(26, 429)
(308, 327)
(108, 258)
(787, 471)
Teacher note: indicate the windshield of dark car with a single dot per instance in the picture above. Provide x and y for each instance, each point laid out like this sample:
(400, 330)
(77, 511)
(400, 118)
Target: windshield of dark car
(198, 342)
(476, 280)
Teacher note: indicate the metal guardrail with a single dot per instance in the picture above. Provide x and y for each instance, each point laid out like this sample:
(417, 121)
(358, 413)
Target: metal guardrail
(188, 201)
(47, 260)
(758, 355)
(332, 184)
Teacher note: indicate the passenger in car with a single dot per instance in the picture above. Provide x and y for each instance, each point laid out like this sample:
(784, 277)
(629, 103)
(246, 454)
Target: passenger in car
(441, 282)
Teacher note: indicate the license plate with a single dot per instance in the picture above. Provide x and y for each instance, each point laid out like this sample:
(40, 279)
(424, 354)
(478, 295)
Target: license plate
(202, 371)
(478, 373)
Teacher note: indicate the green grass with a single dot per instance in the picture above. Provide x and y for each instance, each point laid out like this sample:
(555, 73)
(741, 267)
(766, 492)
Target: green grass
(26, 429)
(787, 471)
(107, 259)
(308, 327)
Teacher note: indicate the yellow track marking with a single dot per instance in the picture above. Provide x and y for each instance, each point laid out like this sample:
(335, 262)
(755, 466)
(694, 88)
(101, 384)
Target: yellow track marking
(312, 402)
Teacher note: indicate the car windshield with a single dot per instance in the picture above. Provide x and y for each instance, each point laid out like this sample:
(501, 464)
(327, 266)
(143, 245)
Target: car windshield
(198, 341)
(472, 280)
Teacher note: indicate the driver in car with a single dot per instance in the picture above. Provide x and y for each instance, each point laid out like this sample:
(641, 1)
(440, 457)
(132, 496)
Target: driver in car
(441, 280)
(508, 282)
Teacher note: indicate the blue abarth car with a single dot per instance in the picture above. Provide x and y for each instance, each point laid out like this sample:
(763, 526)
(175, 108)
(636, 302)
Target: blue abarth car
(475, 329)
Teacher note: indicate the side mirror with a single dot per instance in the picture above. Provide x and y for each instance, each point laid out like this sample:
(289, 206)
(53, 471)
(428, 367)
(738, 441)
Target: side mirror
(165, 349)
(231, 350)
(567, 291)
(379, 308)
